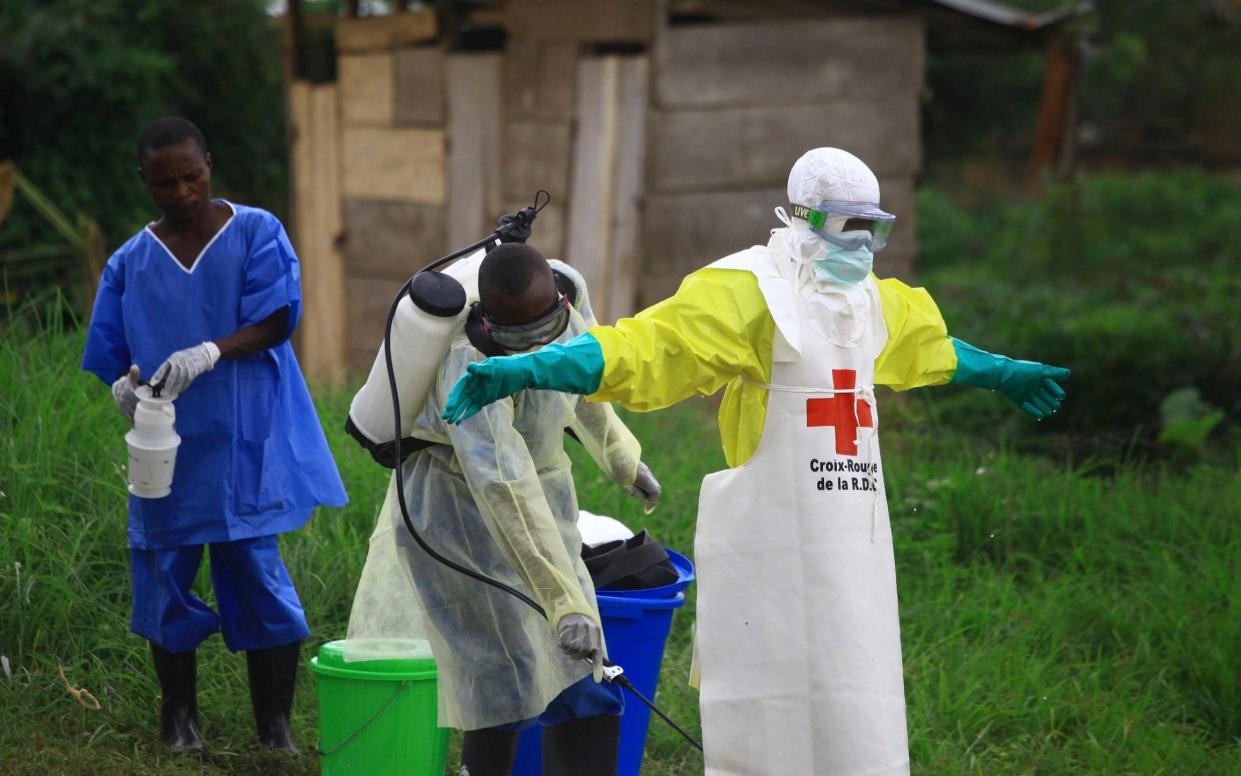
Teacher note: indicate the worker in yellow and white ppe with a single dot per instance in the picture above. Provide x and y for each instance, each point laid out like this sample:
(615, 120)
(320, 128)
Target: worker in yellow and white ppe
(799, 662)
(495, 494)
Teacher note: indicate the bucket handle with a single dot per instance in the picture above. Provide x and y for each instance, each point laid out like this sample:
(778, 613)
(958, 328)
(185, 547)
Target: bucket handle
(404, 686)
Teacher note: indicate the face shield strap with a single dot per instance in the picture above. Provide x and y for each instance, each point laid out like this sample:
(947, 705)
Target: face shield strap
(816, 218)
(876, 238)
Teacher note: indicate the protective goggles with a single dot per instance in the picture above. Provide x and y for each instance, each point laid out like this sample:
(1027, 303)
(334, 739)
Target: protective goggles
(542, 330)
(828, 219)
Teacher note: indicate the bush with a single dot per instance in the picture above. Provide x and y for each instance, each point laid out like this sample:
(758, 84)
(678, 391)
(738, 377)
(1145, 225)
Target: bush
(1129, 281)
(82, 77)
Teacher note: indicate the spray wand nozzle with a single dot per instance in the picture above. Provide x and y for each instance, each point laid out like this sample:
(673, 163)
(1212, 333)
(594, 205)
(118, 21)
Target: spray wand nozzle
(614, 674)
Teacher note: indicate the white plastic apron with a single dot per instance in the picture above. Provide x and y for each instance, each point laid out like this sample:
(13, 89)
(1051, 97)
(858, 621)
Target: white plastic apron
(798, 641)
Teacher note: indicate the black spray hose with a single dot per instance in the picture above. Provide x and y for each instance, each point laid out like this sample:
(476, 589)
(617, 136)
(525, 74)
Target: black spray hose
(523, 220)
(624, 682)
(396, 414)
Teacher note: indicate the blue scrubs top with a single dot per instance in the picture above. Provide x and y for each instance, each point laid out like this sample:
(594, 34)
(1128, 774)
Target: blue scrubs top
(253, 460)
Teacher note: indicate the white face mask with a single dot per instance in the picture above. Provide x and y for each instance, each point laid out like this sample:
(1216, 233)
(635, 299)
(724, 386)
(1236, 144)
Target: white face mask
(831, 262)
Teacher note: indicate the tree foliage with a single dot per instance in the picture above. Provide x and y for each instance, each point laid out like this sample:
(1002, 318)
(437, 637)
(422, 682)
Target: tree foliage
(1158, 85)
(1164, 74)
(80, 78)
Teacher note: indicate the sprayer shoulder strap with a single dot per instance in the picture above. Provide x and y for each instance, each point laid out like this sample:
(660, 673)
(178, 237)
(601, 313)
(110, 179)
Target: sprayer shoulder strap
(384, 453)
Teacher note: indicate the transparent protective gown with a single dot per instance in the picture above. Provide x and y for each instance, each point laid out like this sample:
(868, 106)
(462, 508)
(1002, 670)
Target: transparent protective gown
(494, 494)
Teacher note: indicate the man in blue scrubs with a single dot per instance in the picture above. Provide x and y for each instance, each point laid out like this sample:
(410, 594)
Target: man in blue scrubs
(203, 302)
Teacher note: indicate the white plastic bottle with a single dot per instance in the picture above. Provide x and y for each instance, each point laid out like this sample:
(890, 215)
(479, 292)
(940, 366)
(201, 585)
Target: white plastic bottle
(152, 445)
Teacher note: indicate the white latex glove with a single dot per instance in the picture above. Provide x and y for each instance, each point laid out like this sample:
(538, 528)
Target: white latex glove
(581, 638)
(182, 367)
(123, 392)
(646, 488)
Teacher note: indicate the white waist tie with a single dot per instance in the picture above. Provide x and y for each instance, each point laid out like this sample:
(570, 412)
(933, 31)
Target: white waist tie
(867, 394)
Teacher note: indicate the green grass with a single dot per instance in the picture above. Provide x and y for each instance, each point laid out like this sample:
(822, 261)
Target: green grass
(1057, 619)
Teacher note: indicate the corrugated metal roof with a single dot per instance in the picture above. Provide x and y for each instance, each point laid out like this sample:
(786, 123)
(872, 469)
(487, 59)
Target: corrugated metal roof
(1007, 16)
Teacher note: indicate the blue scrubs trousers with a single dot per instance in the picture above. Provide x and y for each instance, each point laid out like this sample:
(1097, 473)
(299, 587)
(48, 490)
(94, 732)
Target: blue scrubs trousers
(579, 700)
(259, 608)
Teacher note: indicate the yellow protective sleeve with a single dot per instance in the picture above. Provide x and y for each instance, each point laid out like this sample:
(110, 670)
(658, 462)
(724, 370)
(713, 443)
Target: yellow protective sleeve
(611, 444)
(715, 330)
(918, 351)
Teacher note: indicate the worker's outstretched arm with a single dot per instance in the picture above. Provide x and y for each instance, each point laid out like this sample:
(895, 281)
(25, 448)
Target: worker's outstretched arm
(919, 352)
(716, 327)
(574, 367)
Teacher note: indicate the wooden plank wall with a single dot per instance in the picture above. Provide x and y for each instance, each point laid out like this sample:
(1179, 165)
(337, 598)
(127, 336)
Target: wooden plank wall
(395, 161)
(538, 117)
(607, 183)
(573, 21)
(546, 40)
(317, 226)
(472, 88)
(734, 105)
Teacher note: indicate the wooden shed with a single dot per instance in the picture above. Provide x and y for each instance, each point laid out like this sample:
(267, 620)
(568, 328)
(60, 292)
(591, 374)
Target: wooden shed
(663, 130)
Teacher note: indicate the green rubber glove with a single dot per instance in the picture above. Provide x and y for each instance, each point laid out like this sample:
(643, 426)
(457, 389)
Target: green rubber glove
(574, 367)
(1032, 386)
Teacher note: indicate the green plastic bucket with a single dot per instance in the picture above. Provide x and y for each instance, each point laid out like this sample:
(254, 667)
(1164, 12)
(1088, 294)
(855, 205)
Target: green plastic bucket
(378, 716)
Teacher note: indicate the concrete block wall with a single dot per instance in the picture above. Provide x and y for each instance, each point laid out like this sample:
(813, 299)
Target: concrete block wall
(734, 105)
(394, 149)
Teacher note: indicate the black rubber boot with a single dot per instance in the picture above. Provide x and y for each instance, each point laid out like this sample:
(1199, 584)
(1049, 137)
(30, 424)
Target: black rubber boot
(488, 752)
(178, 711)
(583, 747)
(273, 675)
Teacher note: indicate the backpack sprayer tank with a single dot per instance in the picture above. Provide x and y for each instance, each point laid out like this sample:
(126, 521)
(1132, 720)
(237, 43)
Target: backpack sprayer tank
(426, 320)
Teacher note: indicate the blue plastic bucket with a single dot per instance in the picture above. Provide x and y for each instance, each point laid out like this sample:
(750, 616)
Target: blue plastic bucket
(636, 628)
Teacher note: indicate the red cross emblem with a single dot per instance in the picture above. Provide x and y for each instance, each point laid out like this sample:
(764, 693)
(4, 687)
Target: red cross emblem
(844, 412)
